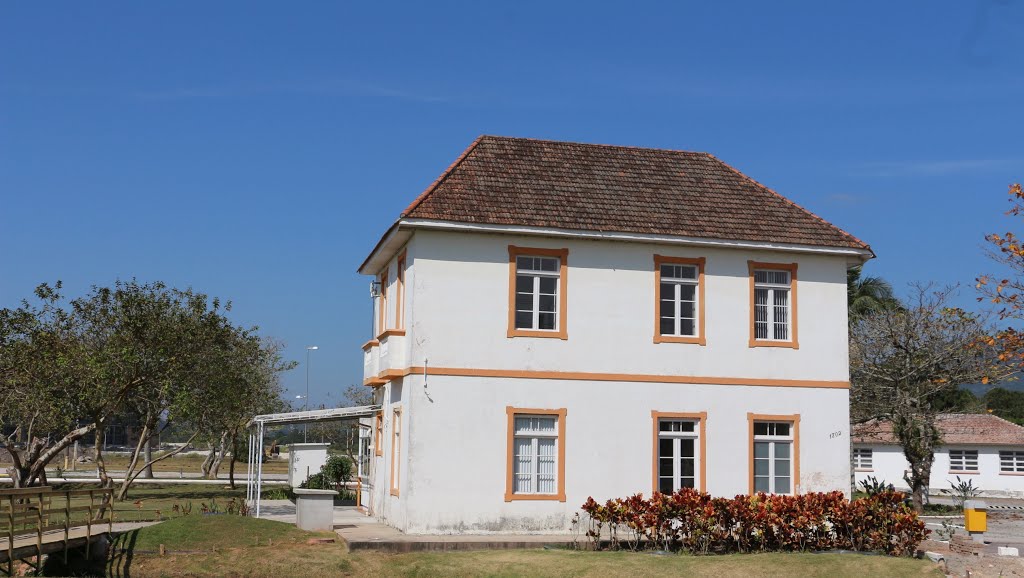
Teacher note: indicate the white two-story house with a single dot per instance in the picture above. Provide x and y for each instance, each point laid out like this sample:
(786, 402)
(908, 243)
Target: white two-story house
(560, 320)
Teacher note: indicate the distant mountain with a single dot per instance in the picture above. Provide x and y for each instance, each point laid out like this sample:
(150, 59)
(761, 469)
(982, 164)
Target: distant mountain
(979, 389)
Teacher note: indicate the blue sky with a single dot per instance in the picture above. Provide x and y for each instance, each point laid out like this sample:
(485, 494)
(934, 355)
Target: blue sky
(257, 150)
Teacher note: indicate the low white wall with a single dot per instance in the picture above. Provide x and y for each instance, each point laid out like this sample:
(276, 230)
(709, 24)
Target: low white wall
(889, 465)
(455, 467)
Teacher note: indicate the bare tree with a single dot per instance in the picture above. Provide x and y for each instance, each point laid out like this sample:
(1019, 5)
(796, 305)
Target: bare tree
(903, 358)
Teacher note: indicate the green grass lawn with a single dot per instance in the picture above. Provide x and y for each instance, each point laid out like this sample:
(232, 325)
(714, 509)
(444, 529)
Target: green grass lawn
(237, 546)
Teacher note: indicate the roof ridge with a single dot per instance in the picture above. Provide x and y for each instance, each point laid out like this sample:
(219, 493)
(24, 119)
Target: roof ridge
(809, 212)
(437, 182)
(592, 144)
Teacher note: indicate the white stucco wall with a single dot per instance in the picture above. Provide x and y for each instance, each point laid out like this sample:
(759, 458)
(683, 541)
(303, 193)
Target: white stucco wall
(461, 316)
(456, 462)
(456, 316)
(889, 465)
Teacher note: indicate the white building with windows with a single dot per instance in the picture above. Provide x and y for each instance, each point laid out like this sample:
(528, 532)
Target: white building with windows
(981, 448)
(559, 320)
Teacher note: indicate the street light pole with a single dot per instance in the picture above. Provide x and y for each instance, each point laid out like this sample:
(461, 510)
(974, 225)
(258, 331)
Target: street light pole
(305, 401)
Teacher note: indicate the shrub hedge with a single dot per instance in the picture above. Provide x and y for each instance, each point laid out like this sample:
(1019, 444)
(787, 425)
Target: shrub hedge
(695, 522)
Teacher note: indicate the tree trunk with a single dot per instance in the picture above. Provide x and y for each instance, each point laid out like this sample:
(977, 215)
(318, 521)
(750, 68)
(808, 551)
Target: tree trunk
(222, 450)
(231, 464)
(147, 455)
(101, 467)
(208, 462)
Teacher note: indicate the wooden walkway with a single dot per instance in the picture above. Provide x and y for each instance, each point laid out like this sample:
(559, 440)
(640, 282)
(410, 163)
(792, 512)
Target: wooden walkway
(38, 521)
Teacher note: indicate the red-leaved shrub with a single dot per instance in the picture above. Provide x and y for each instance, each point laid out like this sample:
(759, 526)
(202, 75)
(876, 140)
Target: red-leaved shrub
(695, 522)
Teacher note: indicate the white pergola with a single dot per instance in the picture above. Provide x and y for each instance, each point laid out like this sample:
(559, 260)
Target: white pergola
(254, 470)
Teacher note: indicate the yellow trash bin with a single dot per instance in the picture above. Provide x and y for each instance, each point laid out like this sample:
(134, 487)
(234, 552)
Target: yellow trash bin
(975, 516)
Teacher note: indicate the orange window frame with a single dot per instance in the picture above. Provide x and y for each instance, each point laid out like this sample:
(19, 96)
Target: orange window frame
(660, 260)
(702, 419)
(793, 342)
(378, 434)
(396, 450)
(511, 413)
(793, 419)
(563, 256)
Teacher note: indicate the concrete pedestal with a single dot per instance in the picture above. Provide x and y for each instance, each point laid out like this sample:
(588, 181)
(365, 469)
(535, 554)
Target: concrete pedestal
(314, 509)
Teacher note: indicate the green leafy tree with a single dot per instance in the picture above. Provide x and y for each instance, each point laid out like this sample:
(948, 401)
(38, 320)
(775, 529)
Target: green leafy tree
(1006, 404)
(866, 295)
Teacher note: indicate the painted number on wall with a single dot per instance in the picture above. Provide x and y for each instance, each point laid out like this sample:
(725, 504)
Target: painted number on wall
(835, 434)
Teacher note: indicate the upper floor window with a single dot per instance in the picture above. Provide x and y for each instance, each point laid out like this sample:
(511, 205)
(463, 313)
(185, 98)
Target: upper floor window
(537, 291)
(773, 310)
(679, 300)
(963, 460)
(400, 292)
(382, 303)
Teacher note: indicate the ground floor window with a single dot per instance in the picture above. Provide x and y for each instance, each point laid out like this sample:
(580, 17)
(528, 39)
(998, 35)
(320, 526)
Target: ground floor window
(678, 451)
(963, 461)
(862, 458)
(396, 449)
(536, 454)
(1011, 462)
(774, 442)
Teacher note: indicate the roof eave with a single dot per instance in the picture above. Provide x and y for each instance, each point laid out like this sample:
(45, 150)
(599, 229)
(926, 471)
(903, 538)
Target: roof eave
(858, 255)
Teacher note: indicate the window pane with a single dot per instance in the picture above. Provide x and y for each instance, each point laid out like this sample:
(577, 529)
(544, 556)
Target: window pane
(665, 466)
(688, 292)
(686, 467)
(665, 485)
(761, 484)
(760, 467)
(686, 310)
(548, 285)
(782, 429)
(665, 444)
(546, 321)
(687, 482)
(547, 303)
(549, 264)
(523, 485)
(761, 449)
(524, 302)
(782, 485)
(686, 448)
(524, 320)
(761, 429)
(687, 327)
(524, 284)
(524, 262)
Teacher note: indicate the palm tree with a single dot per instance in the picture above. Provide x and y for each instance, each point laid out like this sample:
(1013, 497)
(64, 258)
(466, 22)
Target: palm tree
(867, 294)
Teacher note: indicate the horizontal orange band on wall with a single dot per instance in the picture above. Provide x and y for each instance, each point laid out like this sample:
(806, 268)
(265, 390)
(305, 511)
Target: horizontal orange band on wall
(626, 377)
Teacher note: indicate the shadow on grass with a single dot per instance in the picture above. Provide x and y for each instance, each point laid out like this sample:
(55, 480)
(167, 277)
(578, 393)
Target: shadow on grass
(103, 558)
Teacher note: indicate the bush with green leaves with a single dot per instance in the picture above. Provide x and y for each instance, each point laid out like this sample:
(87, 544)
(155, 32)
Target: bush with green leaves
(872, 486)
(961, 491)
(332, 476)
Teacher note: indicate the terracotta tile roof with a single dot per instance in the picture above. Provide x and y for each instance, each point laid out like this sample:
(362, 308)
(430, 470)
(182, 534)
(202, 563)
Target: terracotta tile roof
(526, 182)
(957, 429)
